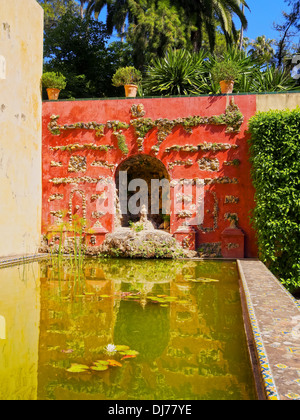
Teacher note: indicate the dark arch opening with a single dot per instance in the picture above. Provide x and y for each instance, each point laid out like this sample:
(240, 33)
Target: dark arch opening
(146, 168)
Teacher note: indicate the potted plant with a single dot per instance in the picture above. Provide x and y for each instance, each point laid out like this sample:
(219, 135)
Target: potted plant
(129, 77)
(226, 73)
(54, 83)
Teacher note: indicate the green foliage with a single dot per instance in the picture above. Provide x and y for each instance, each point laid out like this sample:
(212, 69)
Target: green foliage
(54, 80)
(178, 73)
(275, 156)
(154, 27)
(55, 9)
(225, 70)
(273, 80)
(77, 48)
(126, 76)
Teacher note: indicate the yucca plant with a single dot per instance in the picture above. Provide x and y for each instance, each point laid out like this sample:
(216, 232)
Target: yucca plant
(245, 67)
(273, 80)
(178, 73)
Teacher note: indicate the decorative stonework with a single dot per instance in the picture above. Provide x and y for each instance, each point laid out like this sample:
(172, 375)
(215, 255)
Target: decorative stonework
(95, 197)
(137, 111)
(215, 216)
(78, 180)
(184, 198)
(54, 197)
(54, 164)
(188, 162)
(185, 148)
(231, 199)
(231, 245)
(77, 164)
(222, 180)
(58, 216)
(97, 214)
(207, 164)
(70, 213)
(216, 147)
(183, 214)
(234, 162)
(76, 147)
(205, 147)
(232, 218)
(232, 119)
(210, 250)
(103, 164)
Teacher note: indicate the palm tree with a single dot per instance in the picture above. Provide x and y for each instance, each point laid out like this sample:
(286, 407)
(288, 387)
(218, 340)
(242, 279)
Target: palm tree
(82, 4)
(117, 13)
(262, 49)
(203, 15)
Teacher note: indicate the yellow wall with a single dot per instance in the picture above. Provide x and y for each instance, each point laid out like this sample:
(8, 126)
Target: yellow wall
(280, 101)
(19, 332)
(21, 59)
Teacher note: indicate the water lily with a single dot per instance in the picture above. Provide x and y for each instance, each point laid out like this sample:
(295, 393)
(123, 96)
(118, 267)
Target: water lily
(111, 348)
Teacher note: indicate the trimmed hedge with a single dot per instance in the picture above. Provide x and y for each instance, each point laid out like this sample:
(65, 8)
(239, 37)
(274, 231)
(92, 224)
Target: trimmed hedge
(275, 157)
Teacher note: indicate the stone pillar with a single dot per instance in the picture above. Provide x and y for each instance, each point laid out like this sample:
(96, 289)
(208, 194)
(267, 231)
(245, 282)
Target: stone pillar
(186, 237)
(233, 243)
(96, 235)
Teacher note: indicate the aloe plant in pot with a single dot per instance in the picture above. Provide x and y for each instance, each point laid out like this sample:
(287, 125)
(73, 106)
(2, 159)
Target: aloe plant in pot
(226, 73)
(54, 83)
(129, 77)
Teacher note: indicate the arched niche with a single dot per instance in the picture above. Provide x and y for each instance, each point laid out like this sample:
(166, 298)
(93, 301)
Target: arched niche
(146, 168)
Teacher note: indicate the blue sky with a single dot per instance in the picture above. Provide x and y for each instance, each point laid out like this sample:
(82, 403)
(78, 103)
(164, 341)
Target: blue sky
(262, 16)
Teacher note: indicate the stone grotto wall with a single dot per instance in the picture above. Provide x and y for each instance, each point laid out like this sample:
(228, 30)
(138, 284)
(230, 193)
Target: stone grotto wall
(201, 142)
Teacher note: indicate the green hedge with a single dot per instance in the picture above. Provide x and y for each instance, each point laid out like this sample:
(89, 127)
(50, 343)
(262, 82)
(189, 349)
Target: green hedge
(275, 157)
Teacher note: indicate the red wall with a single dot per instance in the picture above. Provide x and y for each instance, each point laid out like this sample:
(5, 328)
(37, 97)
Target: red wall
(103, 110)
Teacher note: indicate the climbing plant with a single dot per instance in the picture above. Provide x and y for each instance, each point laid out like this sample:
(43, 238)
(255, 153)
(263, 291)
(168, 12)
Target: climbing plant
(275, 156)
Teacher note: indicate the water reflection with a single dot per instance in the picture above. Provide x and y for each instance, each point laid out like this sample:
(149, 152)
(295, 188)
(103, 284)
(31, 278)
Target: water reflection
(182, 318)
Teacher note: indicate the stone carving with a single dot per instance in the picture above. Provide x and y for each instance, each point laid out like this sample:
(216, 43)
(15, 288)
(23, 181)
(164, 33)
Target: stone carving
(54, 197)
(188, 162)
(54, 164)
(144, 222)
(77, 164)
(231, 199)
(137, 111)
(206, 164)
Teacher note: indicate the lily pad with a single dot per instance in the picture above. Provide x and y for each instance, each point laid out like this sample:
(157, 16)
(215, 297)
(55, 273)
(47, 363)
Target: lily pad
(122, 348)
(99, 368)
(206, 280)
(130, 353)
(114, 363)
(101, 363)
(128, 357)
(76, 368)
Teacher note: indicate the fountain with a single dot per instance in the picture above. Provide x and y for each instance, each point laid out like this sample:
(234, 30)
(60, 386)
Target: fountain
(142, 240)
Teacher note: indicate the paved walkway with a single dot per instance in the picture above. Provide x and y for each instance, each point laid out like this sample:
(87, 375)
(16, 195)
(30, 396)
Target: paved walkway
(275, 318)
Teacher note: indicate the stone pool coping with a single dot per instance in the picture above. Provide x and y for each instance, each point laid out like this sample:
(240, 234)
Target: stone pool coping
(11, 260)
(273, 315)
(272, 324)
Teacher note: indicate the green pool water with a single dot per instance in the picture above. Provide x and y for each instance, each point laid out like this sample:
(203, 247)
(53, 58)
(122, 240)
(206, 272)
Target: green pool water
(174, 328)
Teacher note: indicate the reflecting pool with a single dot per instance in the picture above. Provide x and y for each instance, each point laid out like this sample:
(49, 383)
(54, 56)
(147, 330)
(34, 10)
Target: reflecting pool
(123, 330)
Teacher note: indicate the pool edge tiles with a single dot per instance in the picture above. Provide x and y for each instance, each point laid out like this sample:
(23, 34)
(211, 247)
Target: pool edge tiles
(9, 261)
(273, 314)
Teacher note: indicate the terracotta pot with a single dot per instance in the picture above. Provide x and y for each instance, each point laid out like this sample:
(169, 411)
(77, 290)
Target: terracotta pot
(131, 91)
(227, 86)
(53, 94)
